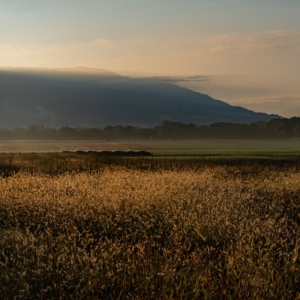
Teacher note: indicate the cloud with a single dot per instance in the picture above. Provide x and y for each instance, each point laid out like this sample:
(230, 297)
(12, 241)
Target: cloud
(274, 99)
(196, 78)
(180, 55)
(284, 105)
(14, 50)
(263, 42)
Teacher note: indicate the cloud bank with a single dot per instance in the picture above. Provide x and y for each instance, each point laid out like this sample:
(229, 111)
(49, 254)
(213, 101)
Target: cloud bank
(174, 56)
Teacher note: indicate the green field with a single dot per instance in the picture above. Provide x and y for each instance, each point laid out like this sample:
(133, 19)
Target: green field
(229, 147)
(254, 148)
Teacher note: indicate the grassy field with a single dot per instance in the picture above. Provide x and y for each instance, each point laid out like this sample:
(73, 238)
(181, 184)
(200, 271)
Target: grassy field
(86, 227)
(288, 148)
(230, 148)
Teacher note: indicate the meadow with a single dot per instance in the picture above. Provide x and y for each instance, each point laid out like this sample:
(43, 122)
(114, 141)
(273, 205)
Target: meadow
(259, 148)
(89, 227)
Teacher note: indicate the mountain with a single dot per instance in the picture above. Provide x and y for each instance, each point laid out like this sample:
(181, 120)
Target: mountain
(95, 98)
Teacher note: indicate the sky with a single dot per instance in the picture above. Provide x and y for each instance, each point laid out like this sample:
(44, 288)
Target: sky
(247, 51)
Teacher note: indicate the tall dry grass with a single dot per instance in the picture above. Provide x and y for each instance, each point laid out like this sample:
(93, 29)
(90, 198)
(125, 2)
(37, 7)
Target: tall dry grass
(169, 232)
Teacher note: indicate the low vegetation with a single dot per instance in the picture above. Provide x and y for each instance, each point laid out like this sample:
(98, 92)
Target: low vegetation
(273, 129)
(82, 227)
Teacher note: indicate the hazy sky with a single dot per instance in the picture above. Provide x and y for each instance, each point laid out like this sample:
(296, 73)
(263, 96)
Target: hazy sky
(249, 50)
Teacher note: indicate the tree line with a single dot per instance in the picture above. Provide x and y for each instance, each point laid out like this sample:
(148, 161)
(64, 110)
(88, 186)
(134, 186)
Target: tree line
(275, 129)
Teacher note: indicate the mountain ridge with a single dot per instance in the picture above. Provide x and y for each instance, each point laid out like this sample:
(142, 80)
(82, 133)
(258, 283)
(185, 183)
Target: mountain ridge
(95, 97)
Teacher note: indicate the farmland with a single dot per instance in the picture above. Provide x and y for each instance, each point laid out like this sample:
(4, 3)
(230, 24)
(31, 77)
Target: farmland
(280, 148)
(87, 227)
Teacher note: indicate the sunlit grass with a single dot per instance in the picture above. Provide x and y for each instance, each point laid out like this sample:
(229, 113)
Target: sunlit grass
(143, 229)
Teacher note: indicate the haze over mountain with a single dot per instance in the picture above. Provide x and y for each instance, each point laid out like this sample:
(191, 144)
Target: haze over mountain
(83, 97)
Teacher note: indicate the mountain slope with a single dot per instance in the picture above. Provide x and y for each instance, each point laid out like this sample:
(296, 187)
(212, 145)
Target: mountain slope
(92, 97)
